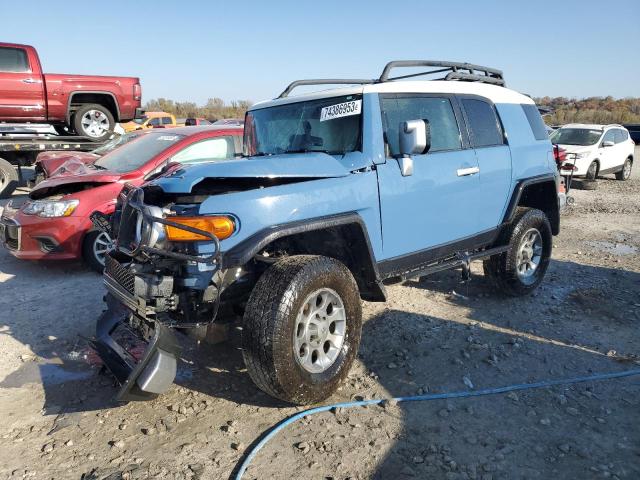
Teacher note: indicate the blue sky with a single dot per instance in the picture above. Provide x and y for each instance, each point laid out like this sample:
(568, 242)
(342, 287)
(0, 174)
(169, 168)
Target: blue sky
(250, 50)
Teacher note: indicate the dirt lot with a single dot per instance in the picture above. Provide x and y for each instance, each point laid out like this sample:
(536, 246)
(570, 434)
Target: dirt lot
(434, 335)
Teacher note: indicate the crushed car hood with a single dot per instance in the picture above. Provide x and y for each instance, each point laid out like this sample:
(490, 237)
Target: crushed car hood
(80, 177)
(52, 161)
(289, 167)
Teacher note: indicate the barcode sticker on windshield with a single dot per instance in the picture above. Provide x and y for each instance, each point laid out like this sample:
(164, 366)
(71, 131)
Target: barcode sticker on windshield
(345, 109)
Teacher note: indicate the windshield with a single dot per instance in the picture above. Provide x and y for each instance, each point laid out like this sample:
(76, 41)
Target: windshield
(116, 142)
(135, 154)
(575, 136)
(330, 125)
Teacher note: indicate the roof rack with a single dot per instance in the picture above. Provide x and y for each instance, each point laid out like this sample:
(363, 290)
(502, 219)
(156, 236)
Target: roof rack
(460, 71)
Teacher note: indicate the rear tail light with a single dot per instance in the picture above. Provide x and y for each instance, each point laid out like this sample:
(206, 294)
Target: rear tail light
(137, 92)
(560, 154)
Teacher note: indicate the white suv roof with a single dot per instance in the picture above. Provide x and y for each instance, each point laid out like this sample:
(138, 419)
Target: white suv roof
(592, 126)
(494, 93)
(459, 78)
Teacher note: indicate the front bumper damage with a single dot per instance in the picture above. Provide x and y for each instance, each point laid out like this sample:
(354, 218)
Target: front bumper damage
(149, 375)
(136, 300)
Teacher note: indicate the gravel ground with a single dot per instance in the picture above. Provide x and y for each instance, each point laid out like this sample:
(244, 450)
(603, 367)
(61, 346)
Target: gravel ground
(433, 335)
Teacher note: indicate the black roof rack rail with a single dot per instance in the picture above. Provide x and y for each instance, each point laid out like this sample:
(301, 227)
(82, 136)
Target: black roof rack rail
(461, 71)
(323, 81)
(456, 71)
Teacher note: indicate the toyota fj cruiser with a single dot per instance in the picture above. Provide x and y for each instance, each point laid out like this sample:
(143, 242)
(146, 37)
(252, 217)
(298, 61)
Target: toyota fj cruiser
(339, 193)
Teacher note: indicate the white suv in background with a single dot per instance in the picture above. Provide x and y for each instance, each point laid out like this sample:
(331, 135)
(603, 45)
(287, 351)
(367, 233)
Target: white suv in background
(596, 149)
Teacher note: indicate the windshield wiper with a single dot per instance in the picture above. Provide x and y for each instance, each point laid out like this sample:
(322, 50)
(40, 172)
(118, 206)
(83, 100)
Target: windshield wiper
(309, 150)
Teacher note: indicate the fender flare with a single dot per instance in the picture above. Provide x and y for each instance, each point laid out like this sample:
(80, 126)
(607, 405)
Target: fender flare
(244, 251)
(521, 187)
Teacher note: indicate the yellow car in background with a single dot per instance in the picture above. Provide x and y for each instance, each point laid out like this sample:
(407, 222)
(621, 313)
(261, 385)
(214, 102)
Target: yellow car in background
(150, 120)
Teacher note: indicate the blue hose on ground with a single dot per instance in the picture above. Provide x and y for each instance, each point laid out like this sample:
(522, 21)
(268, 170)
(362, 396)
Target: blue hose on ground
(417, 398)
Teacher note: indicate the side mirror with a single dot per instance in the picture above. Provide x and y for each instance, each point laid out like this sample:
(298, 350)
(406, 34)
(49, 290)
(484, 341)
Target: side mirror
(608, 143)
(414, 139)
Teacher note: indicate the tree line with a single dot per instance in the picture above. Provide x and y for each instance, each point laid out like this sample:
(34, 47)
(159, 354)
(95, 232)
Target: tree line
(563, 110)
(600, 110)
(213, 109)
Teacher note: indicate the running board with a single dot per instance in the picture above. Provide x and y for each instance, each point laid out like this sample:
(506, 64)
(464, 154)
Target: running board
(461, 259)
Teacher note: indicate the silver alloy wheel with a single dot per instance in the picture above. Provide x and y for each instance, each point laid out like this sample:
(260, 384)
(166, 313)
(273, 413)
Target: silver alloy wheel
(101, 245)
(626, 172)
(529, 256)
(3, 181)
(319, 332)
(95, 123)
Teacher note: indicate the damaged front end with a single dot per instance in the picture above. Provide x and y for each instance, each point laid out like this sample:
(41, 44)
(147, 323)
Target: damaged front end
(154, 287)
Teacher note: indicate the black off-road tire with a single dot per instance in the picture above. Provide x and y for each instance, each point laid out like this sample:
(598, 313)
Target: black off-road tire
(584, 184)
(77, 121)
(592, 171)
(501, 269)
(9, 179)
(622, 175)
(268, 328)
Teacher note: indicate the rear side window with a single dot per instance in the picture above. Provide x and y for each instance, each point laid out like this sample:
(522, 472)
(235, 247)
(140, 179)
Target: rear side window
(535, 122)
(483, 123)
(445, 133)
(166, 121)
(218, 148)
(13, 60)
(154, 122)
(621, 135)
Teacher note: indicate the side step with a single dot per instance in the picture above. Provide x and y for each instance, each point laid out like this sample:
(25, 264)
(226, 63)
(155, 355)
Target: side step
(461, 259)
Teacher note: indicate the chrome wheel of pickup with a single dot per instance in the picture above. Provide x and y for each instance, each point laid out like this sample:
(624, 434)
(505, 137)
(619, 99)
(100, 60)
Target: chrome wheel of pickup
(529, 255)
(319, 330)
(95, 123)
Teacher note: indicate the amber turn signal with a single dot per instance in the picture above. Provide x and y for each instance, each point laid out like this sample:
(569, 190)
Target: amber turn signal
(221, 227)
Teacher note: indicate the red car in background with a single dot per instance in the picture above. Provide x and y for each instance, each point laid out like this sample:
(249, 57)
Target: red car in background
(54, 224)
(47, 163)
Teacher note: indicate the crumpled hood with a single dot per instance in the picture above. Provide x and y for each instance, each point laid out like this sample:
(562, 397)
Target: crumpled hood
(303, 166)
(79, 174)
(52, 161)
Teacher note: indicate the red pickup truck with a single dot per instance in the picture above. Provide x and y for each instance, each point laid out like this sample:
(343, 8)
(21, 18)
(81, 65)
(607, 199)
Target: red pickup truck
(87, 105)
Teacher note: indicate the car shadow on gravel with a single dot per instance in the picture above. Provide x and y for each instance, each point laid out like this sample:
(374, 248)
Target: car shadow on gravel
(566, 329)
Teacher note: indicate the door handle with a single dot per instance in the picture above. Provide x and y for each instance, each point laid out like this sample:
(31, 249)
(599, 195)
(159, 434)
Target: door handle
(463, 172)
(29, 80)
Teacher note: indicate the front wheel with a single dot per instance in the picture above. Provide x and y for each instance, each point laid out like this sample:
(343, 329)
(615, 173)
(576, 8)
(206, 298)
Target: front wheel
(625, 173)
(520, 270)
(94, 249)
(592, 171)
(94, 122)
(301, 328)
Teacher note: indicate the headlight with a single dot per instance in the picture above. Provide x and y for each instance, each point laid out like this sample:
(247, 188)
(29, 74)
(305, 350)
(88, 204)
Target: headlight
(220, 226)
(51, 208)
(582, 155)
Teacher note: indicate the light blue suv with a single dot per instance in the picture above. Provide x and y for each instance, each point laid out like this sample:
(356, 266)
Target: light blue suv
(339, 193)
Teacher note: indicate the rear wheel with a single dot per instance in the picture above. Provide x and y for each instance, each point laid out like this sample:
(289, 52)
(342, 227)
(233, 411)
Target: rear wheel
(520, 270)
(592, 172)
(625, 173)
(8, 178)
(95, 247)
(301, 328)
(94, 122)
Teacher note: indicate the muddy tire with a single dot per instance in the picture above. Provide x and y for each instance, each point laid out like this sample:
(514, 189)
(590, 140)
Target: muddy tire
(592, 171)
(94, 122)
(625, 173)
(94, 248)
(301, 328)
(9, 179)
(520, 270)
(584, 184)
